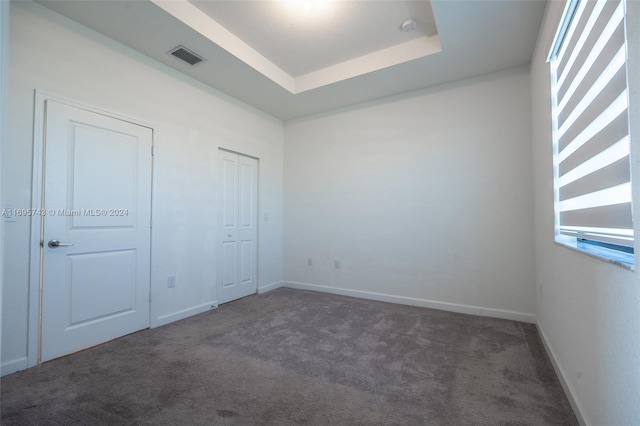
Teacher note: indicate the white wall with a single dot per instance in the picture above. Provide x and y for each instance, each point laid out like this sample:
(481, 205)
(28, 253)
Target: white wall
(587, 310)
(425, 198)
(59, 57)
(4, 66)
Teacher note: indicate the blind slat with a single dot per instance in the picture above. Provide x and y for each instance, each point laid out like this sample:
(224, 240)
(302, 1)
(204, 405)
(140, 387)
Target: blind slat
(615, 216)
(613, 132)
(618, 107)
(568, 97)
(613, 174)
(580, 119)
(602, 23)
(596, 81)
(586, 14)
(614, 195)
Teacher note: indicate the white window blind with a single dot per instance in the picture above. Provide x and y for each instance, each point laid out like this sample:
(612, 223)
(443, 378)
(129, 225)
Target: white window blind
(591, 123)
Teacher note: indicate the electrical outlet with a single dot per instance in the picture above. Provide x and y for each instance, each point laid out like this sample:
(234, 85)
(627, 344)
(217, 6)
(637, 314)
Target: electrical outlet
(309, 262)
(337, 264)
(171, 281)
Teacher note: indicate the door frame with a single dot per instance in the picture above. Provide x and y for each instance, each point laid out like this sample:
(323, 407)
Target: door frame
(36, 249)
(258, 226)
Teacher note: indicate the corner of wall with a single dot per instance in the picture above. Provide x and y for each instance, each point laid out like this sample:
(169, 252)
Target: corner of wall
(270, 287)
(578, 409)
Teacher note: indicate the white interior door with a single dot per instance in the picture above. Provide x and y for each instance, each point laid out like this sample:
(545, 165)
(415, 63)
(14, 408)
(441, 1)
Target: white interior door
(237, 276)
(97, 201)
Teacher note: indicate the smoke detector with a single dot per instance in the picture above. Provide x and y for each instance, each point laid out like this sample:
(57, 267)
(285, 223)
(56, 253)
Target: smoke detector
(408, 25)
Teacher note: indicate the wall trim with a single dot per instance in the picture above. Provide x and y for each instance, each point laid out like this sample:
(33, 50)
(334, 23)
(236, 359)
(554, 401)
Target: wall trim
(185, 313)
(270, 287)
(412, 301)
(577, 407)
(14, 365)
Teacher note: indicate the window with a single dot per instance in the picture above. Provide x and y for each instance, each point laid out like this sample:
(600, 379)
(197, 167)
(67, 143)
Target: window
(591, 130)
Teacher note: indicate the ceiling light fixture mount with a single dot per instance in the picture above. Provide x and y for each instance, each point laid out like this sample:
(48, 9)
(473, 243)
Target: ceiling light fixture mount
(408, 25)
(311, 7)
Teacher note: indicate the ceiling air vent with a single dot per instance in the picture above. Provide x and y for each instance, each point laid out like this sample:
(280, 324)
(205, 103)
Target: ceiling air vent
(186, 55)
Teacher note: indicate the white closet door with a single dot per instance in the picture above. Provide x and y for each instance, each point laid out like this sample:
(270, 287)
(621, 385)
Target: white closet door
(237, 276)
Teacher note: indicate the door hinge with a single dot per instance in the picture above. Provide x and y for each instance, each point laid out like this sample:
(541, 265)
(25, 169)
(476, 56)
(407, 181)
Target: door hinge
(152, 151)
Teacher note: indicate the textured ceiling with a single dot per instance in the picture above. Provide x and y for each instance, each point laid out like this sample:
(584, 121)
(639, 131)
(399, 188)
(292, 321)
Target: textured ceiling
(474, 37)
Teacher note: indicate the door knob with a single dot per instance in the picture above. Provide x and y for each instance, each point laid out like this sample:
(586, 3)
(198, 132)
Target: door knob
(56, 243)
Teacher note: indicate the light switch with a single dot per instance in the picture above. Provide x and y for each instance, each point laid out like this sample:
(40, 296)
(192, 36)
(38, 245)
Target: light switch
(171, 281)
(9, 213)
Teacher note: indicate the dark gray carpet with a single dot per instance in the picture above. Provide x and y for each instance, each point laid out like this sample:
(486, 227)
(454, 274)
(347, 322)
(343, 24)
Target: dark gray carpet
(301, 358)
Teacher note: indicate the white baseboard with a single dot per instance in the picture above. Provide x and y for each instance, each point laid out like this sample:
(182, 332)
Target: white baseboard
(443, 306)
(14, 365)
(185, 313)
(269, 287)
(578, 410)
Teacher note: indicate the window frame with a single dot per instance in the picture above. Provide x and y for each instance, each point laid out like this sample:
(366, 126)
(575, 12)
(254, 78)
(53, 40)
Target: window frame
(617, 254)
